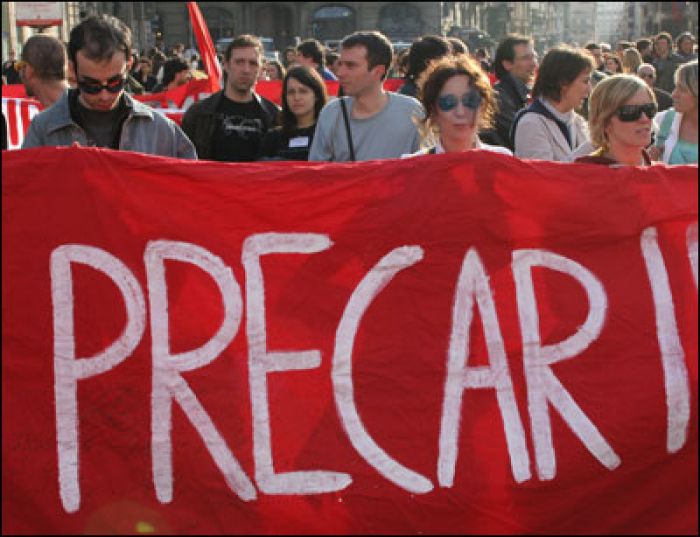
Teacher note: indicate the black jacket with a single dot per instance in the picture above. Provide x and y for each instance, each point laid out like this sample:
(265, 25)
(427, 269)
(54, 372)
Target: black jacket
(510, 100)
(199, 121)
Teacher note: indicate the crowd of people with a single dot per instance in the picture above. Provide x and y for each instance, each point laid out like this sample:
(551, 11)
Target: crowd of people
(632, 105)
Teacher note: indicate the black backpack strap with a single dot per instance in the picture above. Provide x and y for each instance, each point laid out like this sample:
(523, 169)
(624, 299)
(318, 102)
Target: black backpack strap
(347, 128)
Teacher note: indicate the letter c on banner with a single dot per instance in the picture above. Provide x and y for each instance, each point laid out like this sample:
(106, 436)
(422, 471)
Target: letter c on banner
(370, 286)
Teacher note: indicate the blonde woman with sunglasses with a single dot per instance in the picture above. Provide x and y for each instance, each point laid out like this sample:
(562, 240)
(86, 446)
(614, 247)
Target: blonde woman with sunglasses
(620, 113)
(458, 101)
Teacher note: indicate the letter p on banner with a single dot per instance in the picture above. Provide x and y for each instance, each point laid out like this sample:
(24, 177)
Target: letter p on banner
(68, 368)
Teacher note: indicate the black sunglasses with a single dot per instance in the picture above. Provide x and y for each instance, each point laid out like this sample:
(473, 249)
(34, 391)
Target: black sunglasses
(113, 85)
(632, 112)
(470, 100)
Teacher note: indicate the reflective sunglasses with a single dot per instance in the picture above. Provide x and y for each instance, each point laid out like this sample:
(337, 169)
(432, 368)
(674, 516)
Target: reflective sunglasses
(632, 112)
(113, 85)
(470, 100)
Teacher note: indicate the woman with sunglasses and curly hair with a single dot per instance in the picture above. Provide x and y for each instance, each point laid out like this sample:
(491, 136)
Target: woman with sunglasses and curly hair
(620, 110)
(458, 100)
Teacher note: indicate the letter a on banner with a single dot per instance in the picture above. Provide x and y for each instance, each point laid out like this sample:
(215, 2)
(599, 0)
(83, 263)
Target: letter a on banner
(473, 284)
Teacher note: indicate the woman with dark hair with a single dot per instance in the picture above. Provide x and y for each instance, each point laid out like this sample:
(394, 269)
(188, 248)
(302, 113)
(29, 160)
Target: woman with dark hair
(613, 65)
(550, 129)
(458, 100)
(421, 53)
(275, 70)
(303, 95)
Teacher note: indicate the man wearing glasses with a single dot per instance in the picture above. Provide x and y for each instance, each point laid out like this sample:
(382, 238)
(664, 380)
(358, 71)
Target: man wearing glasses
(515, 65)
(99, 112)
(647, 72)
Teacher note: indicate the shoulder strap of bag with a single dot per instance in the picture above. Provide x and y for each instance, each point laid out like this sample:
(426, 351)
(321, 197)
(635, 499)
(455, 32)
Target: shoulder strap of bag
(347, 128)
(665, 128)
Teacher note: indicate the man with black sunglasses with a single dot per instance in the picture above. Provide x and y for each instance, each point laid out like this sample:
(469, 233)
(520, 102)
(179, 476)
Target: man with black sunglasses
(99, 112)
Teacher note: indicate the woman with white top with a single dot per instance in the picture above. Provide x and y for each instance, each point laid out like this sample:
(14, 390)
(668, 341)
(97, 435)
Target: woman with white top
(550, 128)
(458, 100)
(676, 129)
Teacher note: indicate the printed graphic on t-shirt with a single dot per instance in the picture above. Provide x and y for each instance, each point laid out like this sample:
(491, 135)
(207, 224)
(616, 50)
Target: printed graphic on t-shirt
(245, 128)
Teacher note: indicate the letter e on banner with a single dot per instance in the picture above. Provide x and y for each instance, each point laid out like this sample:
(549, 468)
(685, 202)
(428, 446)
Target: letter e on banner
(261, 362)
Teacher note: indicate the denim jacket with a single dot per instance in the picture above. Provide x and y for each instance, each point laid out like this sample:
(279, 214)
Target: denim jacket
(143, 130)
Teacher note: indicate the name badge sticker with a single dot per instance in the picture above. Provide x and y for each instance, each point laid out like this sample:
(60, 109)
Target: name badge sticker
(299, 141)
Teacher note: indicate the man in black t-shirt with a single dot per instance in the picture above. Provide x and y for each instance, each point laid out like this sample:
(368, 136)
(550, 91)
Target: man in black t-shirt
(229, 125)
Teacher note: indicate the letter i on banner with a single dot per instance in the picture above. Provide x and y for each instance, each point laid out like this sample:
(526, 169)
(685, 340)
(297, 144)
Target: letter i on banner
(672, 355)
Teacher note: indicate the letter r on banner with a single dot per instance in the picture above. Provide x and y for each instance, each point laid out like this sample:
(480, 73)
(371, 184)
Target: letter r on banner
(542, 385)
(167, 381)
(68, 369)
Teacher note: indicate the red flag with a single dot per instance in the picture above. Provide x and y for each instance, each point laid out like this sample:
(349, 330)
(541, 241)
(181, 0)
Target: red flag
(206, 46)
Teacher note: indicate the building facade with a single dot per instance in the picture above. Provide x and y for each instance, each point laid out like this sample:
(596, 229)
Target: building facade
(14, 36)
(644, 19)
(609, 22)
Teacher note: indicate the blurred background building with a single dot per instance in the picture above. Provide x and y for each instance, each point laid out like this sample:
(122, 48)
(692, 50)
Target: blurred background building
(479, 24)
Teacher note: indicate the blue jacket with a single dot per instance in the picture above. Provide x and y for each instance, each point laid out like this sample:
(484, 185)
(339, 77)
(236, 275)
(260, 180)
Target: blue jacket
(144, 130)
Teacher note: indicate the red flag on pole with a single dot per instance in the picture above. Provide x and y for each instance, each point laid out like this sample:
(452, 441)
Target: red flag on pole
(205, 45)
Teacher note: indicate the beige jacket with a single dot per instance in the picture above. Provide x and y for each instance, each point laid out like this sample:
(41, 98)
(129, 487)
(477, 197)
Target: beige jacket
(538, 137)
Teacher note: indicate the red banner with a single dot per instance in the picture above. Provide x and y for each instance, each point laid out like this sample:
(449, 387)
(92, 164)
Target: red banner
(458, 343)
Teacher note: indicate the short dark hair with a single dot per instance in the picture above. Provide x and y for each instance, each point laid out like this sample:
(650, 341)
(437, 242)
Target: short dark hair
(172, 67)
(458, 46)
(643, 44)
(423, 51)
(681, 37)
(311, 48)
(560, 66)
(506, 51)
(308, 77)
(379, 49)
(664, 35)
(591, 45)
(244, 41)
(47, 56)
(99, 38)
